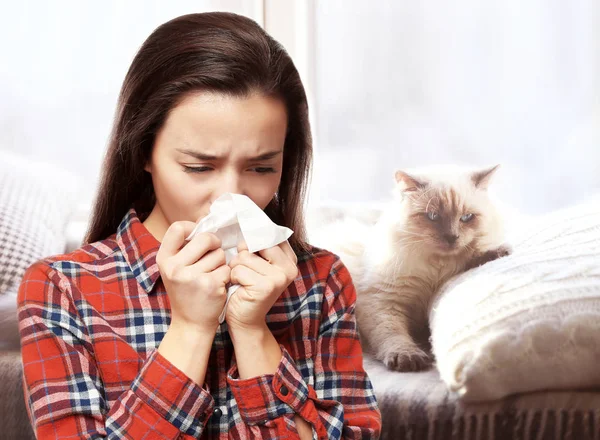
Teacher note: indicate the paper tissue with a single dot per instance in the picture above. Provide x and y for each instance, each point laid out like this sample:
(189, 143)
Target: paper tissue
(235, 218)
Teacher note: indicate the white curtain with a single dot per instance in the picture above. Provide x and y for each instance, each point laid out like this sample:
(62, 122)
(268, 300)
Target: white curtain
(405, 83)
(62, 67)
(394, 84)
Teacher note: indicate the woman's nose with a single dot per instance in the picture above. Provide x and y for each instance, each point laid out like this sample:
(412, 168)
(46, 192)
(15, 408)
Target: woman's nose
(231, 183)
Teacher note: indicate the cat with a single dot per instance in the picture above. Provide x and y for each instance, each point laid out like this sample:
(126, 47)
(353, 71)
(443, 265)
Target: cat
(441, 222)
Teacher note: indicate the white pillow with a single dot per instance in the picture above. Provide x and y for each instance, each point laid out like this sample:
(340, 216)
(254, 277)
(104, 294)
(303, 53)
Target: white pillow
(529, 321)
(36, 202)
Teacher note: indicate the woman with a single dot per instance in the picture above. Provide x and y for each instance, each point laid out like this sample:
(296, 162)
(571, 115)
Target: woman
(121, 339)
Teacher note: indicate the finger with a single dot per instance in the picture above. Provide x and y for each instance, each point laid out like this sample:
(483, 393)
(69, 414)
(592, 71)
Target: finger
(222, 274)
(253, 262)
(210, 261)
(245, 276)
(287, 249)
(242, 246)
(275, 256)
(174, 238)
(278, 257)
(196, 248)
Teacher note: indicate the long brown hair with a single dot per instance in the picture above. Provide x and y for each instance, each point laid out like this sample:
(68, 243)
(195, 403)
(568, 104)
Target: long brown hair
(217, 52)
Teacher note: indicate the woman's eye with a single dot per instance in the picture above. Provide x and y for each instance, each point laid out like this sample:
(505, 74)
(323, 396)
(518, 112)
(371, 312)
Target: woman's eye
(466, 218)
(432, 215)
(189, 169)
(263, 170)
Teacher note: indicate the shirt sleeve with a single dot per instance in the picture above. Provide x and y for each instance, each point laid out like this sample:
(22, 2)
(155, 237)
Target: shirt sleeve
(63, 386)
(341, 405)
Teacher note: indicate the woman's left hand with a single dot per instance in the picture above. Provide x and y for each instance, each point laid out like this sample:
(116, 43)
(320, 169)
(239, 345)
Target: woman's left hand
(262, 278)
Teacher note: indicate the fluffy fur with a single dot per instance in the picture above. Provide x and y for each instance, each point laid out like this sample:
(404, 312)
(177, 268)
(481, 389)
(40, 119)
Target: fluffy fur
(441, 223)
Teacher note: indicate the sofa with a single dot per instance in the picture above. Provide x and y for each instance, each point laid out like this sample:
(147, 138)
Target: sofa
(516, 341)
(41, 214)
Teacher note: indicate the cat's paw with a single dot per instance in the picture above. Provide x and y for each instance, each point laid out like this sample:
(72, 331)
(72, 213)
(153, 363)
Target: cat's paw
(503, 251)
(489, 256)
(408, 360)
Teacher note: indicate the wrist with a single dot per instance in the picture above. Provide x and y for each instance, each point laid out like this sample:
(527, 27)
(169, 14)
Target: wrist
(192, 330)
(242, 332)
(257, 351)
(191, 337)
(188, 349)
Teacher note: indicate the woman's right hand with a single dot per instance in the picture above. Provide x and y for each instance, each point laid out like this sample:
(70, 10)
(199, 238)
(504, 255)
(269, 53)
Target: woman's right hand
(195, 276)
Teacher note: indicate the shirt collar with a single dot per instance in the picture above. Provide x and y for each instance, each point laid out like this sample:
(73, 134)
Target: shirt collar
(139, 248)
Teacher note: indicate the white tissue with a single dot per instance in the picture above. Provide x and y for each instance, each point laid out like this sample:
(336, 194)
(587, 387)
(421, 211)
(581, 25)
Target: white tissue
(235, 218)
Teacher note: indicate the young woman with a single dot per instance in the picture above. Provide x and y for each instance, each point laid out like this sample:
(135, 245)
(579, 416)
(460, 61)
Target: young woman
(121, 339)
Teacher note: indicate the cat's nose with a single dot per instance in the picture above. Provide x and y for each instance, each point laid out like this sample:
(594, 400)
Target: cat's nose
(451, 238)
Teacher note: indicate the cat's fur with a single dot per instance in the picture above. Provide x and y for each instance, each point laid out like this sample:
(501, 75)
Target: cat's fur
(399, 263)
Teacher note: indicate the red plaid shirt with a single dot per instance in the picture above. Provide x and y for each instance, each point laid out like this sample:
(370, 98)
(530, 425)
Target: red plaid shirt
(91, 321)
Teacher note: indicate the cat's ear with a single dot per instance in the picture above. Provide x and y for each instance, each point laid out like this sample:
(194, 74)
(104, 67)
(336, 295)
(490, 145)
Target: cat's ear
(409, 183)
(481, 179)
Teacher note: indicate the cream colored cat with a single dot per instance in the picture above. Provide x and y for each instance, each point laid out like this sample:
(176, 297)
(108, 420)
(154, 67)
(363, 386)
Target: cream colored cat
(441, 223)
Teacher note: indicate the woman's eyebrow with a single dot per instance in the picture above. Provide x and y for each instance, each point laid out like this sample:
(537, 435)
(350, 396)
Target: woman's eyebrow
(209, 157)
(265, 156)
(197, 154)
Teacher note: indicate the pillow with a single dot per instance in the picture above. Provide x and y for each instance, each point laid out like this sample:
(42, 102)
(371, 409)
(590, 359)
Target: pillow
(529, 321)
(36, 201)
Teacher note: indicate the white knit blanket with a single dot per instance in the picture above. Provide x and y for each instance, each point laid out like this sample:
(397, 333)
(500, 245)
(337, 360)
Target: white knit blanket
(527, 322)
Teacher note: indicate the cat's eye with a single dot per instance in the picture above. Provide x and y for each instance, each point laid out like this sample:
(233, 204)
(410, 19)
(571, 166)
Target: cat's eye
(432, 215)
(467, 218)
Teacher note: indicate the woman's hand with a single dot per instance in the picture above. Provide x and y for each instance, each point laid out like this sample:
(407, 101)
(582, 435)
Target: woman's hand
(195, 276)
(262, 279)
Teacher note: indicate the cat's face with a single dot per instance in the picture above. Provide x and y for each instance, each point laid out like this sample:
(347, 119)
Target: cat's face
(446, 214)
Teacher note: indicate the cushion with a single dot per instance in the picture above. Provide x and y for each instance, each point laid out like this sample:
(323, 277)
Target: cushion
(529, 321)
(36, 201)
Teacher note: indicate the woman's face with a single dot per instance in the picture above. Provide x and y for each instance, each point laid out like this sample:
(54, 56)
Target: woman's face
(212, 144)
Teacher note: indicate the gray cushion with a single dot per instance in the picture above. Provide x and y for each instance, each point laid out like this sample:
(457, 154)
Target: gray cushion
(36, 201)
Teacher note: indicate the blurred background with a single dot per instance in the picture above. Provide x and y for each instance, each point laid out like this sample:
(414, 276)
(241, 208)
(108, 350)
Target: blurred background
(392, 84)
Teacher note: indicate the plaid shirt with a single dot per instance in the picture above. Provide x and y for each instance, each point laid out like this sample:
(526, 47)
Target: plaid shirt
(91, 322)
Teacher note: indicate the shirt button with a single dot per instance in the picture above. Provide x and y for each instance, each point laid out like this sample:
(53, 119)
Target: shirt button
(283, 390)
(217, 413)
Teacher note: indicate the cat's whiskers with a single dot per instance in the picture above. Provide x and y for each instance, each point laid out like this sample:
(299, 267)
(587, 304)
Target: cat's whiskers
(428, 203)
(409, 237)
(407, 232)
(411, 243)
(469, 248)
(407, 242)
(407, 258)
(427, 191)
